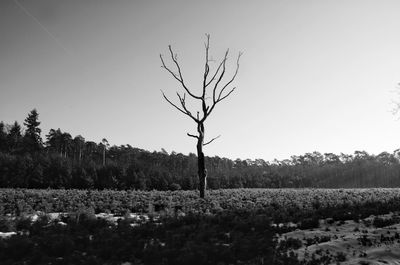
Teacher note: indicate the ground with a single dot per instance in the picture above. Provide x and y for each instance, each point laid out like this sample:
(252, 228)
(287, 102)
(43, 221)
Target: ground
(356, 242)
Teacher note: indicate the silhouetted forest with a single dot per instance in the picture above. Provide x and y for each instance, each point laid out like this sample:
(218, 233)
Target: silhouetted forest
(63, 161)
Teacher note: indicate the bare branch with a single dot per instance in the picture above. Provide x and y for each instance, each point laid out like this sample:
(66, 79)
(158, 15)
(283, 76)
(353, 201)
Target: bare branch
(204, 106)
(209, 142)
(170, 102)
(175, 60)
(183, 103)
(216, 72)
(227, 95)
(169, 70)
(220, 77)
(220, 96)
(233, 77)
(191, 135)
(184, 110)
(207, 67)
(207, 110)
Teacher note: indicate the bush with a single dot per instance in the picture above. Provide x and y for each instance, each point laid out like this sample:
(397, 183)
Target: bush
(6, 225)
(309, 223)
(382, 222)
(175, 186)
(290, 243)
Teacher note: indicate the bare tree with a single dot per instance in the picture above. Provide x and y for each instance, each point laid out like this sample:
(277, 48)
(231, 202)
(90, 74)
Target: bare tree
(213, 83)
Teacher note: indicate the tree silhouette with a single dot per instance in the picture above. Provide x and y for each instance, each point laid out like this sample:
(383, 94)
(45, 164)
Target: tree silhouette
(219, 92)
(15, 137)
(32, 133)
(104, 143)
(3, 136)
(79, 143)
(54, 140)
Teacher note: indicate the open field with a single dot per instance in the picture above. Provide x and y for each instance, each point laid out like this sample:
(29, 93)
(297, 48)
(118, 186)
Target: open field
(16, 201)
(242, 226)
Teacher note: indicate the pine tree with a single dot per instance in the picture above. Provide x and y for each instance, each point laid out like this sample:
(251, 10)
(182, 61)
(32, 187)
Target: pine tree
(33, 140)
(14, 138)
(3, 137)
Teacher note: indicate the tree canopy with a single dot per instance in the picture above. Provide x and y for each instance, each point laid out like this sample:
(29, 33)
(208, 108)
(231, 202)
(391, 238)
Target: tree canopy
(63, 161)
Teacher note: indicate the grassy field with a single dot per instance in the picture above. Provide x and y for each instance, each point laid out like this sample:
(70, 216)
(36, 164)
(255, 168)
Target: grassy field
(17, 201)
(240, 226)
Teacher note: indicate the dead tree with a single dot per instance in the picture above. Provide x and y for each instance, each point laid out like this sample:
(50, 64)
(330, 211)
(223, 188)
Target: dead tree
(220, 90)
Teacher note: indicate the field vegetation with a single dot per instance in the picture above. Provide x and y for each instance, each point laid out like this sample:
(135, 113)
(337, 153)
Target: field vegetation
(242, 226)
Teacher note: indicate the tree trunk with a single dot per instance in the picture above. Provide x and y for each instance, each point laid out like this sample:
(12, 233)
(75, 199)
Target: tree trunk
(202, 172)
(104, 156)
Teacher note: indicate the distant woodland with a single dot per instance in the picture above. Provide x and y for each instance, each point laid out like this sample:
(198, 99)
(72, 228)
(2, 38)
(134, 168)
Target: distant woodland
(63, 161)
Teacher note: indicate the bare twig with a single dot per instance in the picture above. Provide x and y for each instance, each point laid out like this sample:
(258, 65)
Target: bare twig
(183, 103)
(194, 136)
(220, 94)
(216, 72)
(221, 75)
(184, 111)
(169, 70)
(175, 60)
(233, 77)
(209, 142)
(206, 67)
(220, 99)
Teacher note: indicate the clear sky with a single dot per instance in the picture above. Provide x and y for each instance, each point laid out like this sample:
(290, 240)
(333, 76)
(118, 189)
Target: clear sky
(315, 75)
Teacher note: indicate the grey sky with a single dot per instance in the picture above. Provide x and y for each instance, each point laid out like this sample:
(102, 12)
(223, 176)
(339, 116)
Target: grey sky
(315, 75)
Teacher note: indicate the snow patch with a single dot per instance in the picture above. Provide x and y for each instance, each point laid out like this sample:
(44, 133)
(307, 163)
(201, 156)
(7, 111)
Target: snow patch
(7, 234)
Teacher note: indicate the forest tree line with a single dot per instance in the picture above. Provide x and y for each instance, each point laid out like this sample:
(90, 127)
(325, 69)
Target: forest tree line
(62, 161)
